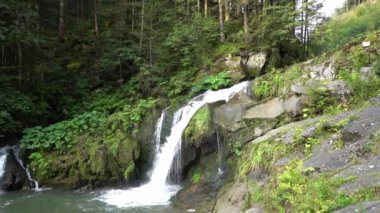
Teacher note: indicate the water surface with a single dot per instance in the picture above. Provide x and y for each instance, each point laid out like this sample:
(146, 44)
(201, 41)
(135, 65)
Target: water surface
(65, 201)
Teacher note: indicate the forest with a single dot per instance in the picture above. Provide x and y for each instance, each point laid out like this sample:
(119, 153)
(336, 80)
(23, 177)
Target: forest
(82, 83)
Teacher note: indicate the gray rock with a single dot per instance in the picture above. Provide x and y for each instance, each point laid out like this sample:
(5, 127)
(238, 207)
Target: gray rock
(375, 100)
(299, 89)
(255, 210)
(326, 158)
(368, 207)
(14, 177)
(230, 115)
(323, 71)
(338, 89)
(270, 109)
(252, 64)
(366, 73)
(293, 105)
(367, 173)
(368, 122)
(232, 200)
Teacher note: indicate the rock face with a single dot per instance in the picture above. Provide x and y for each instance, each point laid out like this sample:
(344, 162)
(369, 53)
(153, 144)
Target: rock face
(231, 198)
(270, 109)
(323, 71)
(14, 177)
(252, 64)
(369, 207)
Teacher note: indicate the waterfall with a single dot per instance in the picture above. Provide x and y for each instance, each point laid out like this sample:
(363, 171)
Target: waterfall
(15, 150)
(157, 132)
(157, 191)
(3, 160)
(220, 153)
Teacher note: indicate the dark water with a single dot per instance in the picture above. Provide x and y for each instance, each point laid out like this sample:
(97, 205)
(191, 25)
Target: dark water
(50, 201)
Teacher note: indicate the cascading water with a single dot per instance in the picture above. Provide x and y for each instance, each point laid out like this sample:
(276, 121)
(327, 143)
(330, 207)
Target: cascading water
(157, 132)
(3, 160)
(15, 152)
(220, 152)
(157, 191)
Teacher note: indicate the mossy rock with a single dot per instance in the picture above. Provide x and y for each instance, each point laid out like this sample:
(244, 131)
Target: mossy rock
(96, 160)
(200, 127)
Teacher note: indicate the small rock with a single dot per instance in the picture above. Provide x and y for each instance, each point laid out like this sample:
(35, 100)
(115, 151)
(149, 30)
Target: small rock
(299, 89)
(258, 132)
(366, 73)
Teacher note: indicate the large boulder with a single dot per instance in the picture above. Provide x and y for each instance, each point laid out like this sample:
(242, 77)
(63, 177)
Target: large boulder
(13, 176)
(252, 64)
(231, 198)
(270, 109)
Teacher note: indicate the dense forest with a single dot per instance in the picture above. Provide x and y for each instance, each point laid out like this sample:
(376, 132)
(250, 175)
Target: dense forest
(83, 82)
(54, 53)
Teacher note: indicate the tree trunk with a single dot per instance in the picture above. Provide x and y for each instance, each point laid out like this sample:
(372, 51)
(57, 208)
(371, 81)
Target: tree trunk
(245, 20)
(142, 27)
(20, 65)
(133, 15)
(206, 8)
(96, 18)
(227, 10)
(61, 30)
(199, 6)
(221, 21)
(81, 9)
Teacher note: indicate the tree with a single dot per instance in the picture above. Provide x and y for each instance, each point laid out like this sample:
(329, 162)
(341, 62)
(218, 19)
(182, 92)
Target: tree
(221, 21)
(61, 30)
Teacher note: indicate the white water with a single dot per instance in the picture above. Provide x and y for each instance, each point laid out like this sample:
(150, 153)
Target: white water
(220, 153)
(157, 191)
(3, 159)
(157, 132)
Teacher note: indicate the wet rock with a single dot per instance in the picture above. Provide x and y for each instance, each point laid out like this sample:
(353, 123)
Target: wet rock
(230, 115)
(14, 177)
(231, 198)
(368, 206)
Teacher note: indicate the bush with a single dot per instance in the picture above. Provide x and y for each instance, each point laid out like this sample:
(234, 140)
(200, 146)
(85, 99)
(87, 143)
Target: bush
(212, 82)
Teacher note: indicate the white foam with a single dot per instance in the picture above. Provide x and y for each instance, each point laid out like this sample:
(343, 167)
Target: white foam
(157, 191)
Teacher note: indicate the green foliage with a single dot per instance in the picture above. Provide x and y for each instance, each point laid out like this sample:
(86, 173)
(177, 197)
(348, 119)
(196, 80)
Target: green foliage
(261, 156)
(321, 102)
(342, 29)
(276, 82)
(60, 136)
(14, 108)
(212, 82)
(40, 163)
(196, 176)
(199, 126)
(293, 190)
(362, 89)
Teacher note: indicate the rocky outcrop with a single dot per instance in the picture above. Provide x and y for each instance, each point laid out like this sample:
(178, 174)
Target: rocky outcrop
(13, 176)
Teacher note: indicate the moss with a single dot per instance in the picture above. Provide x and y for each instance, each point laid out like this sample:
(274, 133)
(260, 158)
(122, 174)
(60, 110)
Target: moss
(199, 127)
(261, 156)
(277, 82)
